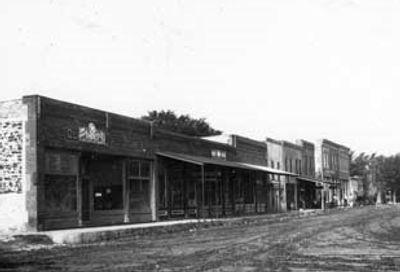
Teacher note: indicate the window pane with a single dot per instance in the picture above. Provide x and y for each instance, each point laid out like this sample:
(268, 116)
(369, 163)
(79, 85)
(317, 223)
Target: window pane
(60, 193)
(134, 169)
(145, 169)
(136, 185)
(61, 163)
(139, 196)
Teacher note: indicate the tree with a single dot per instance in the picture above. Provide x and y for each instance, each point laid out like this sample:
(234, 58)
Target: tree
(389, 171)
(378, 174)
(365, 167)
(359, 164)
(184, 124)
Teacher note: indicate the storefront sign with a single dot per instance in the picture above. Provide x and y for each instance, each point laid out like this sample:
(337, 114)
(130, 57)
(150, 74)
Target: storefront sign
(91, 134)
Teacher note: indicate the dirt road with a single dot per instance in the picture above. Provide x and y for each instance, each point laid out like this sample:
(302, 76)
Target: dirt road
(361, 239)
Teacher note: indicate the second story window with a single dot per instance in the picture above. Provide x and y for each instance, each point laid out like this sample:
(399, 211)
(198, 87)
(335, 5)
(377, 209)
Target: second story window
(325, 159)
(219, 154)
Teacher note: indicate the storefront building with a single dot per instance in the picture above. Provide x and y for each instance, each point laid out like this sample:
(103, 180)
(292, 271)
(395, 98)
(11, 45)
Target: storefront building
(292, 158)
(332, 166)
(309, 188)
(275, 161)
(65, 165)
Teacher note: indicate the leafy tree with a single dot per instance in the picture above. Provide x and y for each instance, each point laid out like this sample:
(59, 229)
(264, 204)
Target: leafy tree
(389, 171)
(378, 173)
(359, 164)
(184, 124)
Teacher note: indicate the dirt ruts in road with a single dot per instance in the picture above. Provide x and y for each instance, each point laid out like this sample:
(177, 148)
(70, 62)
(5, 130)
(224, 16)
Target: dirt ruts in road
(362, 239)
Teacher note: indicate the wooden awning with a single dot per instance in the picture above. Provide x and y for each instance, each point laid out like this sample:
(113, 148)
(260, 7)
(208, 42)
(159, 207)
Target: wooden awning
(198, 160)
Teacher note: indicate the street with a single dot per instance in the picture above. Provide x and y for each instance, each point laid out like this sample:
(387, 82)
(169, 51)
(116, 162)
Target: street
(359, 239)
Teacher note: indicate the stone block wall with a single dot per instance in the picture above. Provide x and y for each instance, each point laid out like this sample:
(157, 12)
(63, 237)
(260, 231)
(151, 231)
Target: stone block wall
(11, 156)
(13, 214)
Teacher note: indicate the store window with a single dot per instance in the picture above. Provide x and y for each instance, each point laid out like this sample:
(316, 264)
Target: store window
(60, 181)
(248, 189)
(162, 188)
(60, 193)
(139, 182)
(326, 159)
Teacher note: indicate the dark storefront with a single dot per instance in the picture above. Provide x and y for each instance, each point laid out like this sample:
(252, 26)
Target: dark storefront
(194, 186)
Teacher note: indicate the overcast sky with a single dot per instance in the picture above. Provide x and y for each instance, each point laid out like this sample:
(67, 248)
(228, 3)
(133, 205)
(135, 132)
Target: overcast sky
(285, 69)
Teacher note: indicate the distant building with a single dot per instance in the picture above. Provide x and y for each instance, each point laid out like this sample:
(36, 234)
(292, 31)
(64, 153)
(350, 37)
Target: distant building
(332, 164)
(309, 188)
(275, 161)
(292, 155)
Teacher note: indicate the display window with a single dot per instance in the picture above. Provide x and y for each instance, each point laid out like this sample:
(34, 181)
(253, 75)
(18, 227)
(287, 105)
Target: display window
(139, 183)
(60, 181)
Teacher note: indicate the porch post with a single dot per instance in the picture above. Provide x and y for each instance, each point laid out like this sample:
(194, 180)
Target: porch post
(184, 187)
(255, 191)
(296, 201)
(79, 191)
(279, 194)
(233, 200)
(223, 181)
(153, 191)
(202, 191)
(125, 189)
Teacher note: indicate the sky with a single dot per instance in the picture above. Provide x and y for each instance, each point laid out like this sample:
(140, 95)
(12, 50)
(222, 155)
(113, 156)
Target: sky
(290, 69)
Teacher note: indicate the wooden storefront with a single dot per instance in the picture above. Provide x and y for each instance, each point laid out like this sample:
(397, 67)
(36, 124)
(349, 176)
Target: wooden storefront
(193, 186)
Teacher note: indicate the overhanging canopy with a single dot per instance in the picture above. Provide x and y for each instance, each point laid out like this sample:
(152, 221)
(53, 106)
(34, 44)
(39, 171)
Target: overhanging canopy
(313, 180)
(198, 160)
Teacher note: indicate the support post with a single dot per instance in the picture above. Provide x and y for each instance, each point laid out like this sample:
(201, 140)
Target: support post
(202, 191)
(125, 189)
(153, 191)
(296, 200)
(79, 191)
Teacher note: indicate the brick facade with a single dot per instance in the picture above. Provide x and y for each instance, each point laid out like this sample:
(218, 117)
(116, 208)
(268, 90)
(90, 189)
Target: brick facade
(64, 165)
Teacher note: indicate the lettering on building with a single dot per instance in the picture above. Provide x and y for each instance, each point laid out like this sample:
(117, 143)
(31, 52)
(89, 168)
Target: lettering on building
(89, 134)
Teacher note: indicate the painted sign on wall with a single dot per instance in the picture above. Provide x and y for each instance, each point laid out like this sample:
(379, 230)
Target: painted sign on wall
(91, 134)
(88, 134)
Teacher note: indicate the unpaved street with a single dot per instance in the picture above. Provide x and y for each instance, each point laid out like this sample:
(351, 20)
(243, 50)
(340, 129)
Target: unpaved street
(360, 239)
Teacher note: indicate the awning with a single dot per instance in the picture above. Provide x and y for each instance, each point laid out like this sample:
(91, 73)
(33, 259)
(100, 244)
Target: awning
(313, 180)
(198, 160)
(308, 179)
(269, 170)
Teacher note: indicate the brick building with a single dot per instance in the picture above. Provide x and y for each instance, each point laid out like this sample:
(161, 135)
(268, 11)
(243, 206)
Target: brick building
(309, 188)
(332, 163)
(64, 165)
(275, 161)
